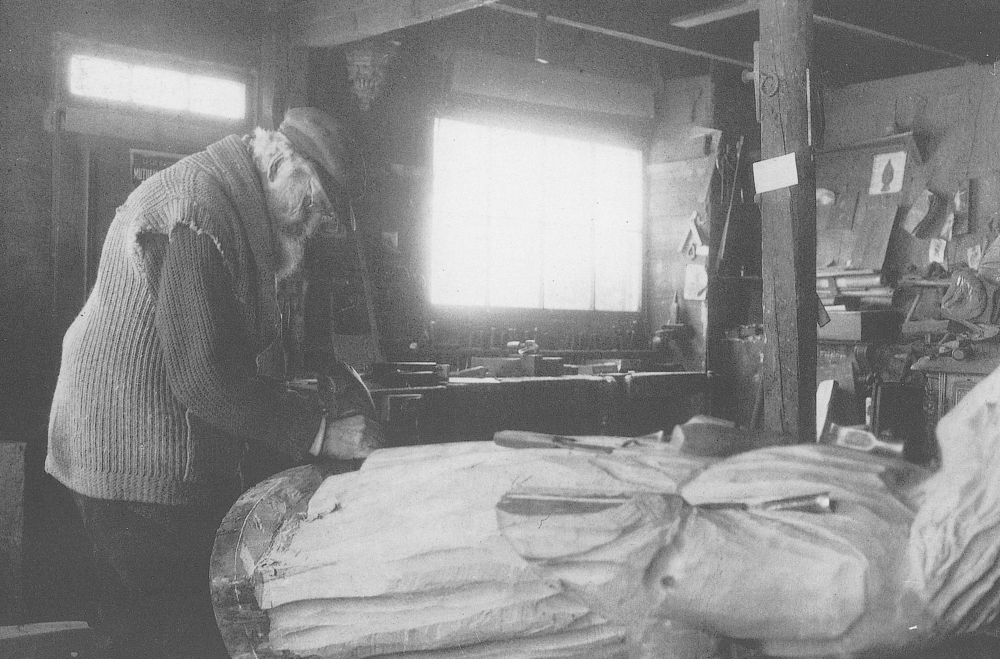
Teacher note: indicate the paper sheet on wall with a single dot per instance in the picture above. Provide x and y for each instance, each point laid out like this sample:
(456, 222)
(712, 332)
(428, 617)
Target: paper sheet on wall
(695, 281)
(937, 252)
(974, 256)
(887, 173)
(918, 211)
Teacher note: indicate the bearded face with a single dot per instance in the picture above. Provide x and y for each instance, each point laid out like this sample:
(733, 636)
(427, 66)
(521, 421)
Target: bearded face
(297, 205)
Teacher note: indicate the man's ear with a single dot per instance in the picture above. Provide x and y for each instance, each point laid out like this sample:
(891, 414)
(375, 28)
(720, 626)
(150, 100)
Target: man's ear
(272, 171)
(317, 192)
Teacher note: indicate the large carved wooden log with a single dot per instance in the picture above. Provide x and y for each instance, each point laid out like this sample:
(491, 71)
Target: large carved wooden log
(616, 547)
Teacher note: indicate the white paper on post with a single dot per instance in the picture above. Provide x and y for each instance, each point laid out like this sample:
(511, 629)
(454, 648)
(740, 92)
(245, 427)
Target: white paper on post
(775, 173)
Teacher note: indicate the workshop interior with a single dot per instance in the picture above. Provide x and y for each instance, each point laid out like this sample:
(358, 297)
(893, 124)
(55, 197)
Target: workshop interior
(732, 265)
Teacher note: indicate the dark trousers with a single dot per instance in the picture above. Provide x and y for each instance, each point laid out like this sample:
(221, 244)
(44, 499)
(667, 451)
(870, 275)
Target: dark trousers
(152, 578)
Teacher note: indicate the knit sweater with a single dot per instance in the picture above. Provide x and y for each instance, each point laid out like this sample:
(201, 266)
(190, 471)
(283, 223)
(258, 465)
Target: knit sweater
(159, 388)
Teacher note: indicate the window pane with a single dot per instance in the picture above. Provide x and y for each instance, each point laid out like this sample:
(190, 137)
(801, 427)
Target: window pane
(214, 96)
(159, 88)
(461, 175)
(513, 173)
(535, 201)
(568, 181)
(567, 270)
(460, 262)
(155, 87)
(99, 78)
(618, 187)
(618, 273)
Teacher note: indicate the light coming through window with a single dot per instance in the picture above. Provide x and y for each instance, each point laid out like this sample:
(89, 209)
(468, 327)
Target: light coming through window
(152, 87)
(534, 221)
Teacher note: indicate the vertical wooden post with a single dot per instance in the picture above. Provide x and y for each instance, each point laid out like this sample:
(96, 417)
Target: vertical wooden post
(788, 221)
(283, 68)
(70, 209)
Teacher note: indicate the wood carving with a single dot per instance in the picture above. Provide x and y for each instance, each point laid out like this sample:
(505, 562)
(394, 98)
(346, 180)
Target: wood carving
(619, 547)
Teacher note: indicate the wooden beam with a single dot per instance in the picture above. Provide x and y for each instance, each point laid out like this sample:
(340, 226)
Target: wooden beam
(524, 81)
(788, 218)
(625, 35)
(850, 27)
(321, 23)
(716, 13)
(740, 7)
(282, 78)
(12, 467)
(70, 203)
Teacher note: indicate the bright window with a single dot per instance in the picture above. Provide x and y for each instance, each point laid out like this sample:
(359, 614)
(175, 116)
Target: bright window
(152, 87)
(535, 221)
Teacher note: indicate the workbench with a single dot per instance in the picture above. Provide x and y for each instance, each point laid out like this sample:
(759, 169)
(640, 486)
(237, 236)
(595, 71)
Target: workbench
(466, 409)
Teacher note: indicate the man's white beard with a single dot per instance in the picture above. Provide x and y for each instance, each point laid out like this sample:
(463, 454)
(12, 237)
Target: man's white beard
(291, 222)
(291, 251)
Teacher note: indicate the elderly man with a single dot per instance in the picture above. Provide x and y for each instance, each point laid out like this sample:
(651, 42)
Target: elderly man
(161, 389)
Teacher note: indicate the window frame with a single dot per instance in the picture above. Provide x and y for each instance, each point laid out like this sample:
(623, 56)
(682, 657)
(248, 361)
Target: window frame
(501, 317)
(110, 118)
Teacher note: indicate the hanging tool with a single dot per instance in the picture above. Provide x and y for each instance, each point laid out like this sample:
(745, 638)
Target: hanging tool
(367, 285)
(729, 210)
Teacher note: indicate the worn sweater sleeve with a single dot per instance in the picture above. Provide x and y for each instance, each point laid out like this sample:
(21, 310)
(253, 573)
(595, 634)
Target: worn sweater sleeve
(209, 364)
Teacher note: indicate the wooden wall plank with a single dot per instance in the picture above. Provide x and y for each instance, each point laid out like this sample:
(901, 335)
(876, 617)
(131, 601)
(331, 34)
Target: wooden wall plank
(11, 530)
(952, 113)
(323, 23)
(788, 222)
(70, 187)
(521, 81)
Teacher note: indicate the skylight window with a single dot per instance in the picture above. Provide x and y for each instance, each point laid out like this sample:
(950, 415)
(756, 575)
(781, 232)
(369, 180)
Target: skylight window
(153, 87)
(527, 220)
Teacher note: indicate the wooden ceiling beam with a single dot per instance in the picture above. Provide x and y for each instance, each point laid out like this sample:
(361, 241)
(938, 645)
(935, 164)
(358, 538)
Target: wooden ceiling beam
(882, 36)
(325, 23)
(740, 7)
(631, 34)
(717, 13)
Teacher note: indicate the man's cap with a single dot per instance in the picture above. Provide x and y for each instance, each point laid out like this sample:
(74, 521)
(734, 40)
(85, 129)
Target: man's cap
(318, 136)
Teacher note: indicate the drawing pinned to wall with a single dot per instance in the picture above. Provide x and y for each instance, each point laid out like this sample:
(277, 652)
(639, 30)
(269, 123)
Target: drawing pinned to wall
(918, 211)
(887, 173)
(692, 240)
(938, 221)
(974, 256)
(960, 206)
(989, 265)
(695, 281)
(937, 253)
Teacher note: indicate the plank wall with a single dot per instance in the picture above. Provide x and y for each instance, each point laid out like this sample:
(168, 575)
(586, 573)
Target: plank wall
(953, 114)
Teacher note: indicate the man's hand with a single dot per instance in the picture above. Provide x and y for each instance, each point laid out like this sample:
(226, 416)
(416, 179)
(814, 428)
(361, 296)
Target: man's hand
(351, 438)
